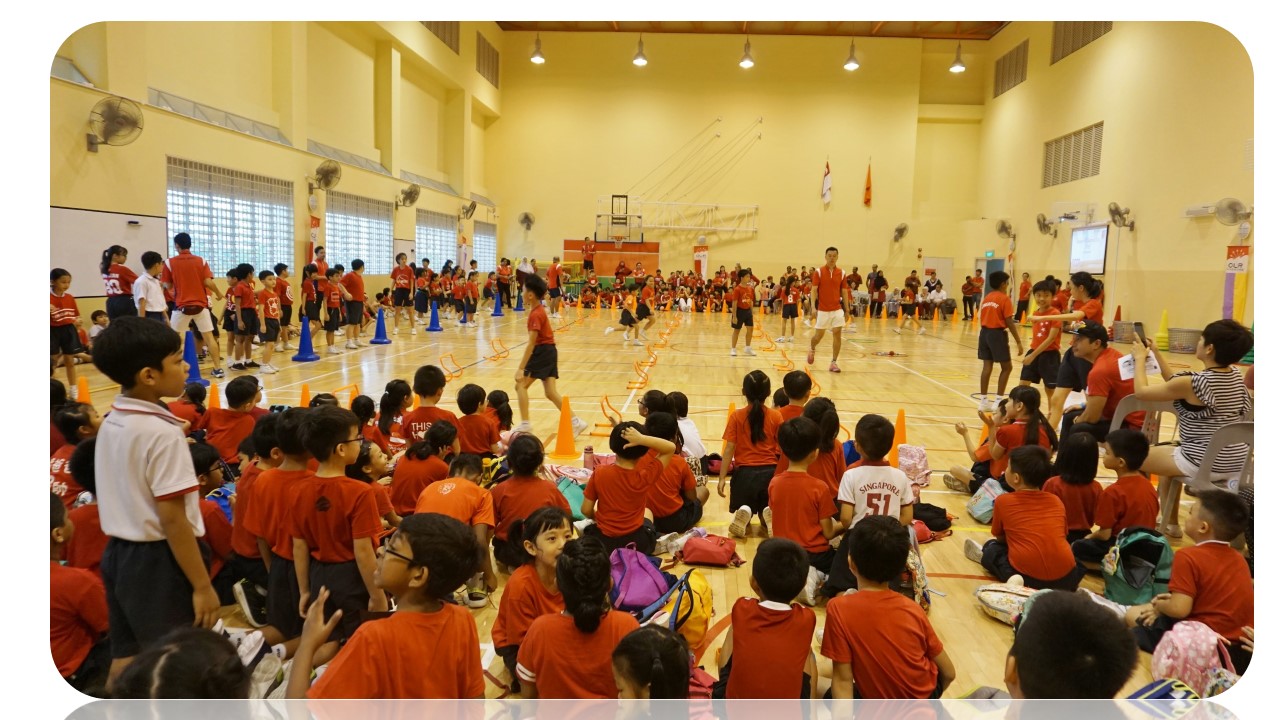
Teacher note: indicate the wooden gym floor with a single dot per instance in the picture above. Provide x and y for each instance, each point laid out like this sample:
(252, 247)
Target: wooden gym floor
(930, 377)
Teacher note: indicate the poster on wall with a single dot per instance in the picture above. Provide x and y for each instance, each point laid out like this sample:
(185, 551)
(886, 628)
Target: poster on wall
(464, 251)
(700, 259)
(1089, 249)
(1235, 291)
(314, 239)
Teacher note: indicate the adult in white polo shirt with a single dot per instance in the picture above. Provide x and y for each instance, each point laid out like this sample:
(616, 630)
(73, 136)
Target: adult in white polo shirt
(830, 296)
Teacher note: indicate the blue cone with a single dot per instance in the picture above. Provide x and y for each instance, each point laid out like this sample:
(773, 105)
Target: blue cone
(306, 353)
(380, 331)
(193, 362)
(435, 318)
(497, 306)
(520, 301)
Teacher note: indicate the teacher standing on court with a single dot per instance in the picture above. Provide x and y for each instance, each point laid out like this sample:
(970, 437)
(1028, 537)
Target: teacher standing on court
(830, 296)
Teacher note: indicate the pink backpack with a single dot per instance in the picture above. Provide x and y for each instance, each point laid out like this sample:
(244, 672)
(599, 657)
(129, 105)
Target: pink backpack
(914, 463)
(637, 580)
(1192, 653)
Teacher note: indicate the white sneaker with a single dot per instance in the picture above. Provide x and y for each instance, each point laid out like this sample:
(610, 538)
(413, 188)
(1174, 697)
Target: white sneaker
(973, 550)
(733, 352)
(579, 425)
(641, 334)
(898, 330)
(665, 544)
(809, 596)
(351, 346)
(290, 346)
(267, 369)
(987, 405)
(748, 351)
(806, 323)
(583, 524)
(853, 327)
(523, 427)
(414, 331)
(1015, 581)
(766, 518)
(473, 324)
(609, 329)
(741, 519)
(781, 339)
(395, 331)
(638, 342)
(333, 350)
(279, 347)
(920, 331)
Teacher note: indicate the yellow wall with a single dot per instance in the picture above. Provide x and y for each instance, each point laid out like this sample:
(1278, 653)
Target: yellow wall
(340, 81)
(217, 63)
(421, 116)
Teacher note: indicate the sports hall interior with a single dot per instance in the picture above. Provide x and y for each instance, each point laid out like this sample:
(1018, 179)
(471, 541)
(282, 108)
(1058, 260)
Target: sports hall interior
(460, 110)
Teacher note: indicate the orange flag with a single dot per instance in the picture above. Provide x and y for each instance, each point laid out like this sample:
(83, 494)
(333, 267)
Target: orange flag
(866, 191)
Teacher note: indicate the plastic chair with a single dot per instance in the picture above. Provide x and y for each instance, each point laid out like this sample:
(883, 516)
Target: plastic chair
(1229, 434)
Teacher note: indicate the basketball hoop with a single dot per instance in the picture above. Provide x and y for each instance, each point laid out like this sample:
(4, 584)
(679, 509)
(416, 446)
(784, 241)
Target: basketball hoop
(617, 241)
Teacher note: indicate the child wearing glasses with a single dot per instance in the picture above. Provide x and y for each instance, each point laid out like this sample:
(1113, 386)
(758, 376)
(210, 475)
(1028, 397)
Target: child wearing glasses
(335, 523)
(434, 642)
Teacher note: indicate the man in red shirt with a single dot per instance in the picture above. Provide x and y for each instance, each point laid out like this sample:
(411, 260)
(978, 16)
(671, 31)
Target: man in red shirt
(1105, 388)
(354, 284)
(830, 296)
(190, 279)
(553, 285)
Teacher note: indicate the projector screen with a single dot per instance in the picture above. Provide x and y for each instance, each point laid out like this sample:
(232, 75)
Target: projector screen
(1089, 249)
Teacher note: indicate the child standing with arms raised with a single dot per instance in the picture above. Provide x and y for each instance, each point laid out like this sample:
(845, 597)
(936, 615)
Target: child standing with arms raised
(540, 360)
(996, 317)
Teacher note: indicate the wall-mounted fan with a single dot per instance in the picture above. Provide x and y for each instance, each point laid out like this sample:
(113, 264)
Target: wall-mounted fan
(1046, 227)
(1120, 216)
(326, 178)
(1005, 230)
(1231, 211)
(526, 220)
(114, 121)
(900, 232)
(409, 196)
(467, 211)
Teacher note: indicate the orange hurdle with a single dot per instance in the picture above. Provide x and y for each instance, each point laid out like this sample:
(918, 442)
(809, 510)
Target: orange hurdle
(450, 374)
(355, 390)
(787, 363)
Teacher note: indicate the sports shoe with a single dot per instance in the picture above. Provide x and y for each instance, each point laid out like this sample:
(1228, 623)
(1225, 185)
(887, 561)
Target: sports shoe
(834, 367)
(920, 331)
(237, 366)
(333, 350)
(290, 346)
(748, 351)
(741, 519)
(898, 330)
(477, 598)
(473, 324)
(279, 347)
(973, 550)
(251, 365)
(267, 369)
(218, 373)
(809, 595)
(638, 342)
(806, 323)
(524, 427)
(665, 544)
(395, 331)
(641, 334)
(413, 330)
(733, 352)
(955, 483)
(253, 602)
(781, 339)
(350, 346)
(987, 405)
(579, 425)
(583, 524)
(766, 519)
(853, 327)
(609, 329)
(809, 358)
(1015, 581)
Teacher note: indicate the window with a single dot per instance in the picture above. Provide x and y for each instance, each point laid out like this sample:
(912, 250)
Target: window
(436, 238)
(233, 217)
(357, 227)
(485, 245)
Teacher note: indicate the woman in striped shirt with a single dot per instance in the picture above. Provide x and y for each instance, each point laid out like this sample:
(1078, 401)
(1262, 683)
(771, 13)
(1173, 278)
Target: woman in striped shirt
(1204, 401)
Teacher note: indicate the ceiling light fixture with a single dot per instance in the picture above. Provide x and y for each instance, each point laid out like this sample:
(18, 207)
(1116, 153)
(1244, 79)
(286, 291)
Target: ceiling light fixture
(536, 58)
(746, 60)
(852, 63)
(958, 65)
(640, 60)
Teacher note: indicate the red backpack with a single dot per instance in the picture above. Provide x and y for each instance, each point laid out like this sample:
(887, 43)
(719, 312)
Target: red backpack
(710, 550)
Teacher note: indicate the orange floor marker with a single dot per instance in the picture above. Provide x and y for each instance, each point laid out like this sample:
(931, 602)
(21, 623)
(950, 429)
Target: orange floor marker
(899, 436)
(82, 390)
(955, 316)
(450, 374)
(787, 363)
(305, 399)
(816, 389)
(215, 400)
(564, 450)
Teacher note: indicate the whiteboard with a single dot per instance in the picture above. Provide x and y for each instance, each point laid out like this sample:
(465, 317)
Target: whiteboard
(1089, 249)
(78, 237)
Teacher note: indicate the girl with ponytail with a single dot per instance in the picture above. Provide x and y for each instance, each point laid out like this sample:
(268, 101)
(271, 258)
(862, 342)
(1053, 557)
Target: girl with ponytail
(652, 663)
(425, 462)
(118, 280)
(751, 439)
(1073, 372)
(396, 398)
(569, 655)
(1026, 426)
(829, 467)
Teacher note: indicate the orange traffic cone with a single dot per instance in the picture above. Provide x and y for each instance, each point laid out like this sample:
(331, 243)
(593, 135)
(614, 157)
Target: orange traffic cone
(899, 436)
(215, 401)
(1118, 313)
(564, 450)
(955, 316)
(1023, 319)
(305, 400)
(986, 431)
(414, 406)
(82, 390)
(868, 314)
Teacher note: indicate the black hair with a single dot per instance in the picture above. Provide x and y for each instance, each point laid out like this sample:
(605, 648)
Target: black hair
(1091, 285)
(756, 389)
(797, 383)
(780, 399)
(246, 447)
(362, 406)
(182, 241)
(57, 512)
(874, 435)
(97, 314)
(780, 568)
(357, 264)
(196, 393)
(663, 425)
(333, 271)
(501, 404)
(241, 390)
(1227, 513)
(656, 657)
(393, 397)
(997, 279)
(188, 662)
(1031, 462)
(744, 272)
(1030, 399)
(310, 269)
(618, 445)
(57, 396)
(1129, 445)
(539, 521)
(428, 381)
(535, 285)
(822, 411)
(679, 403)
(204, 457)
(878, 547)
(656, 401)
(105, 265)
(401, 255)
(279, 268)
(57, 273)
(244, 271)
(470, 397)
(70, 418)
(582, 573)
(466, 464)
(1077, 461)
(797, 438)
(1230, 340)
(1055, 659)
(289, 431)
(263, 275)
(439, 436)
(525, 454)
(323, 400)
(1045, 286)
(264, 435)
(355, 469)
(326, 426)
(81, 465)
(131, 344)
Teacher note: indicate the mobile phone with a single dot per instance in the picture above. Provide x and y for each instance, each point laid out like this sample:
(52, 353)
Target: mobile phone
(1137, 328)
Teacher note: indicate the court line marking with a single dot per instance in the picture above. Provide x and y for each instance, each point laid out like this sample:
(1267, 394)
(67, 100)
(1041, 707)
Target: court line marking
(935, 382)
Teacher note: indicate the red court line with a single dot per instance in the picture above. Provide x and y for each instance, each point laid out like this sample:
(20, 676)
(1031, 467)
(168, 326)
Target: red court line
(711, 635)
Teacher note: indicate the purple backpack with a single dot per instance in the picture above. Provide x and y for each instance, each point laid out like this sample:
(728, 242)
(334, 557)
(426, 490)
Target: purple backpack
(637, 581)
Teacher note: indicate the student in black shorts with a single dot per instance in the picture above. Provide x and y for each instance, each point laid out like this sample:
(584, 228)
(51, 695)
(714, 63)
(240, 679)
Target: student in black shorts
(540, 360)
(333, 304)
(996, 317)
(1042, 363)
(246, 317)
(743, 298)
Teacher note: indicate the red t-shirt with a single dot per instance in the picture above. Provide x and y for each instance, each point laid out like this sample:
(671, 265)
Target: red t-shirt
(308, 290)
(746, 452)
(460, 499)
(1040, 330)
(743, 297)
(567, 663)
(185, 410)
(1080, 501)
(589, 250)
(538, 322)
(1013, 436)
(621, 494)
(274, 493)
(331, 513)
(373, 434)
(64, 311)
(411, 477)
(524, 599)
(830, 284)
(243, 541)
(1034, 525)
(996, 307)
(1092, 309)
(1129, 502)
(978, 283)
(354, 284)
(408, 655)
(1104, 381)
(1062, 299)
(77, 615)
(88, 542)
(415, 423)
(517, 497)
(892, 658)
(56, 440)
(402, 277)
(60, 481)
(1216, 577)
(333, 295)
(217, 535)
(908, 297)
(477, 434)
(1024, 290)
(119, 280)
(553, 276)
(666, 495)
(646, 295)
(187, 273)
(829, 466)
(790, 412)
(225, 429)
(799, 503)
(270, 302)
(770, 648)
(284, 292)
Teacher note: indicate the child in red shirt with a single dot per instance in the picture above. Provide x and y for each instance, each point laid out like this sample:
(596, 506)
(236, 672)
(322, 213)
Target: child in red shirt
(675, 500)
(1076, 483)
(1030, 529)
(1041, 364)
(460, 496)
(269, 333)
(76, 422)
(751, 443)
(621, 489)
(190, 405)
(743, 297)
(225, 428)
(370, 466)
(1026, 426)
(767, 651)
(64, 319)
(428, 385)
(84, 550)
(353, 287)
(335, 294)
(284, 293)
(423, 463)
(803, 505)
(77, 612)
(245, 317)
(477, 433)
(996, 317)
(217, 523)
(540, 360)
(519, 496)
(907, 312)
(435, 642)
(532, 590)
(1129, 502)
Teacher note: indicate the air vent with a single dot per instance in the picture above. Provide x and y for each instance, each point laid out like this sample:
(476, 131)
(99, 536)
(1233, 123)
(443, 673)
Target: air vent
(1011, 69)
(486, 60)
(1074, 156)
(1069, 37)
(447, 30)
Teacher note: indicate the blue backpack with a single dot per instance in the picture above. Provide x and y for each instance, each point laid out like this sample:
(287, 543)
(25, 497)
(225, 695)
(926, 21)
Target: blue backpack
(223, 496)
(851, 455)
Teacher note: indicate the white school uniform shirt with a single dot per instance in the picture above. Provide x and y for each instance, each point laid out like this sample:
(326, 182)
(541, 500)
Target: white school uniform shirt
(875, 490)
(692, 440)
(149, 287)
(143, 456)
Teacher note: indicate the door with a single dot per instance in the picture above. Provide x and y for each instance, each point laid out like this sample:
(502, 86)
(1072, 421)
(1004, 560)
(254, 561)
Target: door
(945, 268)
(992, 265)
